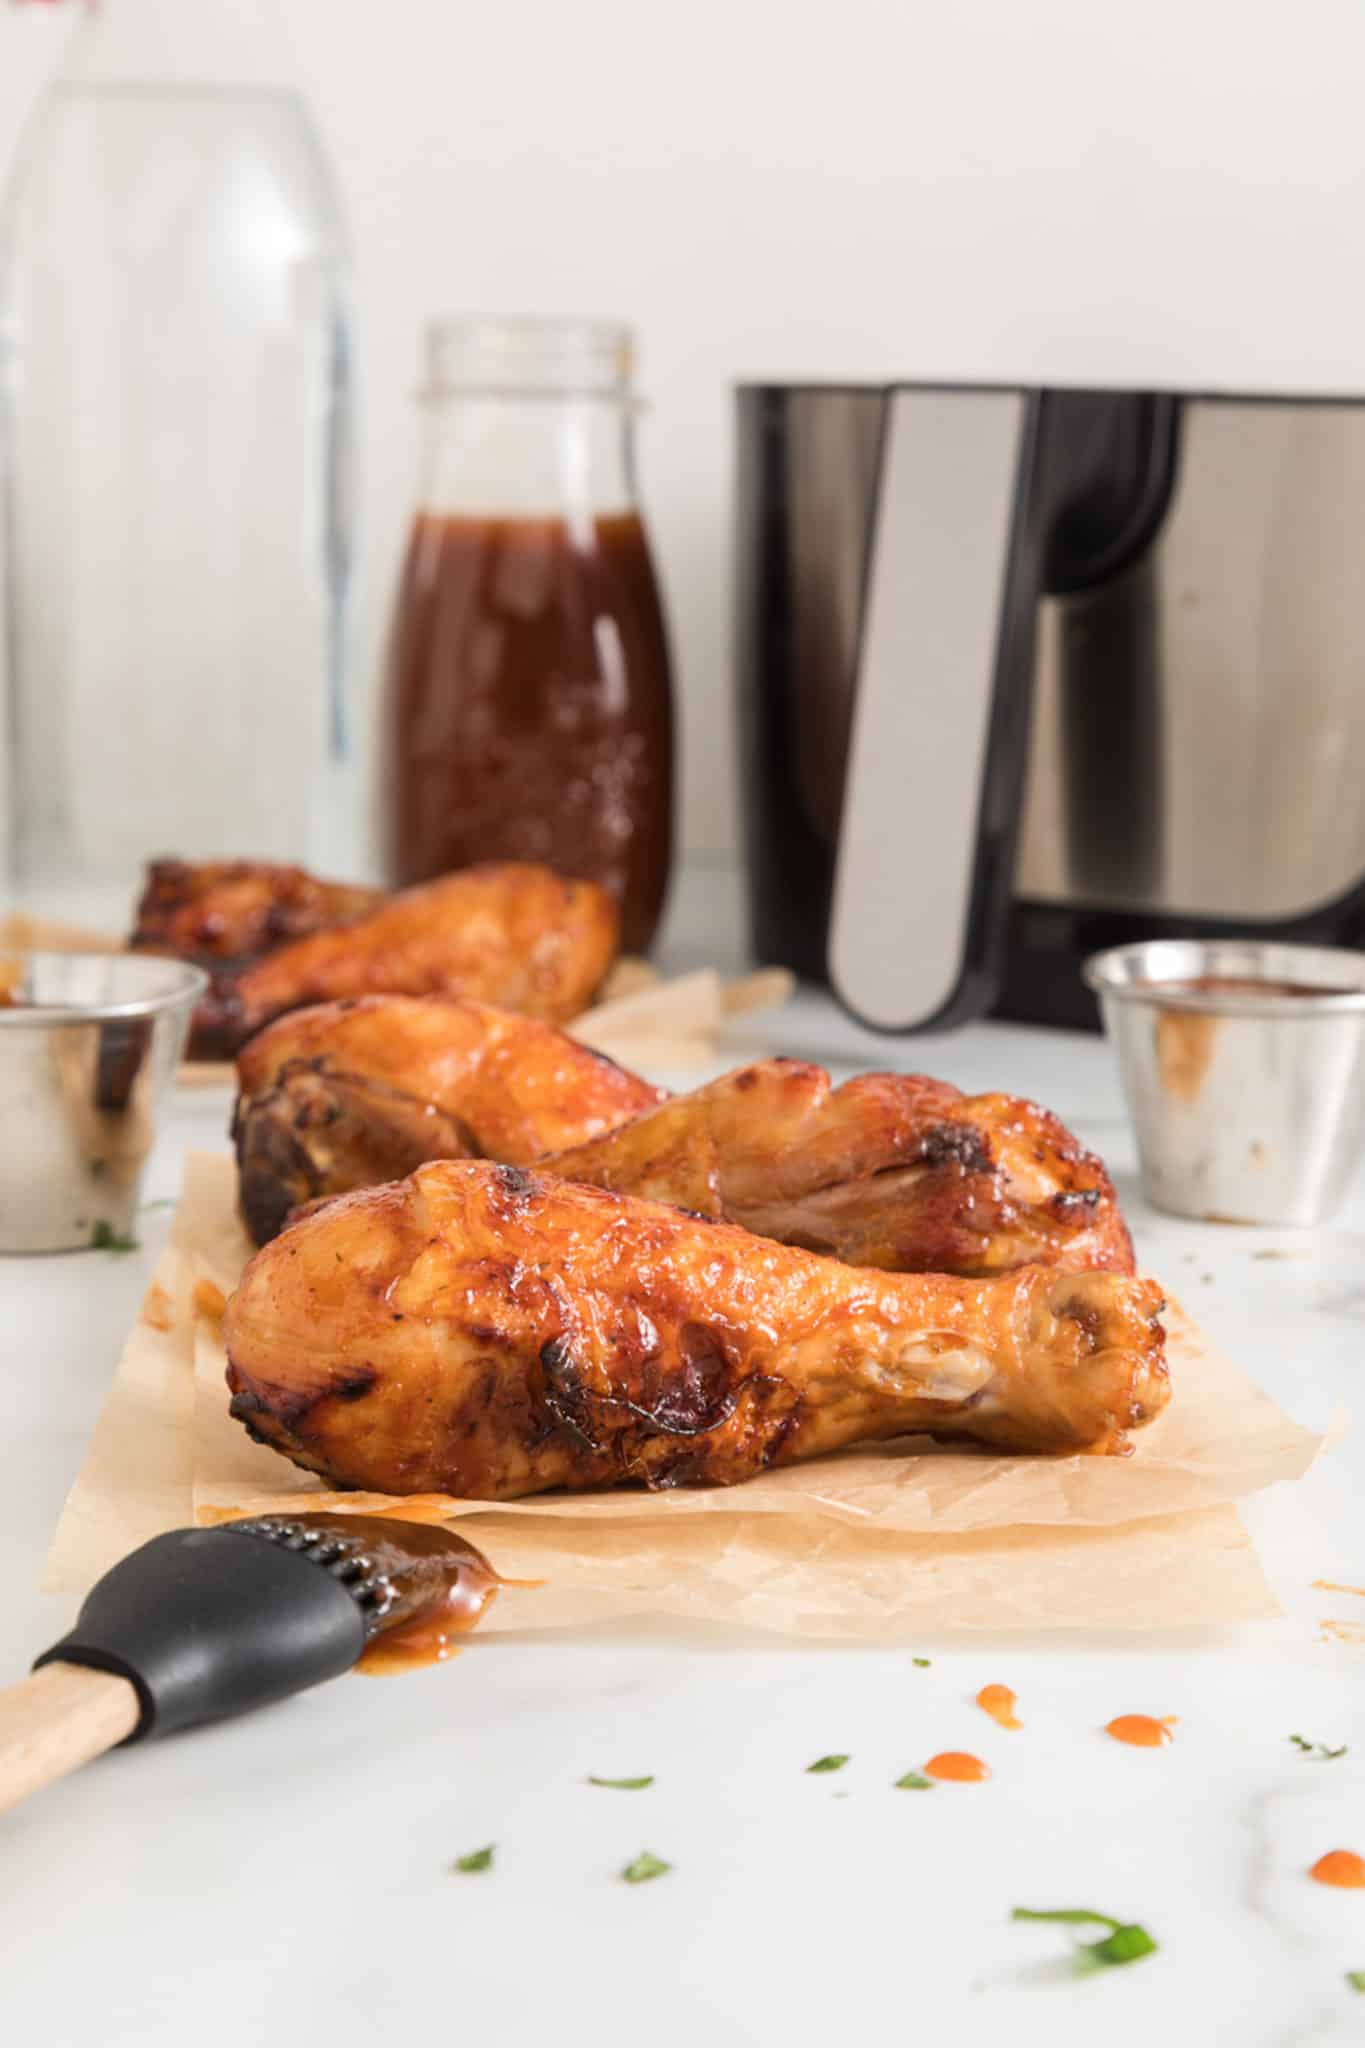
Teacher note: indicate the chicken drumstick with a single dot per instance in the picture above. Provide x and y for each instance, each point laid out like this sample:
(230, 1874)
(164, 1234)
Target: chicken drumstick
(488, 1332)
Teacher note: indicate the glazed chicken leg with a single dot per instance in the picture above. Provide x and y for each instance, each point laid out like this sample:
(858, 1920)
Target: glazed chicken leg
(232, 909)
(488, 1332)
(348, 1094)
(516, 935)
(890, 1170)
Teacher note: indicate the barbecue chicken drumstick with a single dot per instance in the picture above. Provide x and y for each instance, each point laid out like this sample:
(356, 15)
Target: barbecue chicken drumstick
(232, 909)
(890, 1170)
(507, 933)
(489, 1332)
(345, 1095)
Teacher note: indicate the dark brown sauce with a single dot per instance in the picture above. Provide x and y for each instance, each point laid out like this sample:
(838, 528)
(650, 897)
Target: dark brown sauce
(529, 710)
(1240, 985)
(443, 1584)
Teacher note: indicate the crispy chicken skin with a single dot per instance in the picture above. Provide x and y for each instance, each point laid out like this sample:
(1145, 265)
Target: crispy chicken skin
(896, 1171)
(345, 1095)
(231, 909)
(506, 932)
(489, 1332)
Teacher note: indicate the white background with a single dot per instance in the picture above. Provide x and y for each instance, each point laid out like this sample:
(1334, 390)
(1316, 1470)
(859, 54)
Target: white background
(1170, 190)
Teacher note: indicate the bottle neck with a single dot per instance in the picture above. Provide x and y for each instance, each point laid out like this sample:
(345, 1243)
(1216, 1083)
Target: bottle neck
(520, 455)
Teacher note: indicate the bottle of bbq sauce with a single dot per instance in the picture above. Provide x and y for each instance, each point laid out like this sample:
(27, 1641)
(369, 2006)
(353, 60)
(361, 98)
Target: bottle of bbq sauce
(528, 707)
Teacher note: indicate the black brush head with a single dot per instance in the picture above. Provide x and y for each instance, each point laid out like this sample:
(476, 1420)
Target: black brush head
(206, 1623)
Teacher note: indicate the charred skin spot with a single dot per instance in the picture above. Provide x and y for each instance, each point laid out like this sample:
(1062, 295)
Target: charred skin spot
(959, 1144)
(567, 1401)
(695, 1395)
(1088, 1318)
(288, 1409)
(515, 1182)
(1070, 1202)
(276, 1172)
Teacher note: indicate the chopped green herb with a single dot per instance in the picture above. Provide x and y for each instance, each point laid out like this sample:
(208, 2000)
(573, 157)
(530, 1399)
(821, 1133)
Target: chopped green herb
(162, 1202)
(644, 1867)
(914, 1782)
(1067, 1916)
(1125, 1942)
(922, 1663)
(477, 1859)
(1356, 1979)
(104, 1238)
(622, 1784)
(826, 1763)
(1319, 1749)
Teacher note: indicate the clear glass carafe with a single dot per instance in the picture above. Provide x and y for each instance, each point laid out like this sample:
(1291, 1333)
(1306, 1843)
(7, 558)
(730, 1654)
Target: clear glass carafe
(528, 711)
(177, 397)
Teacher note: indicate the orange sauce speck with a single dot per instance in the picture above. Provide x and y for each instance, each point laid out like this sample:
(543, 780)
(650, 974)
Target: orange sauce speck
(1340, 1867)
(1334, 1586)
(999, 1702)
(209, 1302)
(1141, 1730)
(956, 1766)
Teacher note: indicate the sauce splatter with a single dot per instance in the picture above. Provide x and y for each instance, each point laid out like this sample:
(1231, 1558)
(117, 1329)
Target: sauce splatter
(1335, 1586)
(1341, 1632)
(1141, 1731)
(1340, 1867)
(158, 1310)
(999, 1702)
(957, 1767)
(209, 1302)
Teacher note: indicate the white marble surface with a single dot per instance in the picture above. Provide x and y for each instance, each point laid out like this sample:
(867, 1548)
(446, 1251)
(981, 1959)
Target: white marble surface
(288, 1877)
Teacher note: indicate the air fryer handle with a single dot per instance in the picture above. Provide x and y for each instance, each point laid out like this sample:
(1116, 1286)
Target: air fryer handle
(940, 724)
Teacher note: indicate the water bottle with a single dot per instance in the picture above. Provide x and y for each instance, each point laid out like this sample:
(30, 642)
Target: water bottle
(176, 373)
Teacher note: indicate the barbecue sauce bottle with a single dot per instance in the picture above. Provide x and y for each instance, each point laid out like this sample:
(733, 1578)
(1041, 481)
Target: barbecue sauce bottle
(528, 705)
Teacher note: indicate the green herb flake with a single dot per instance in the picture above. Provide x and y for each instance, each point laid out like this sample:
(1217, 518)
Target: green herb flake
(914, 1781)
(1319, 1749)
(1125, 1942)
(921, 1663)
(104, 1238)
(162, 1202)
(477, 1859)
(644, 1868)
(1356, 1979)
(826, 1763)
(622, 1784)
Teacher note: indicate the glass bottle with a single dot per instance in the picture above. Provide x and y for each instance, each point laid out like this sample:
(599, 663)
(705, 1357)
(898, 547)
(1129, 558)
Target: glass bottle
(528, 708)
(176, 358)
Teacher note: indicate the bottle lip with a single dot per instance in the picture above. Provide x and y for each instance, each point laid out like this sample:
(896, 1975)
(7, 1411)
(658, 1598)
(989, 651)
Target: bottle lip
(527, 357)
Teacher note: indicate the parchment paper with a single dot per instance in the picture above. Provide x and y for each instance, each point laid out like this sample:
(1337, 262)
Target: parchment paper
(883, 1540)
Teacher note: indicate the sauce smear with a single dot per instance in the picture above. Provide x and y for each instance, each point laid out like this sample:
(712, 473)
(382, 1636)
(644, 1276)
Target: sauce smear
(1141, 1730)
(957, 1767)
(442, 1582)
(1340, 1867)
(999, 1702)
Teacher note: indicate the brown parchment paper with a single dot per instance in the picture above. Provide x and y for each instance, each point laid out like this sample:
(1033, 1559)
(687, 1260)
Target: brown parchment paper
(875, 1540)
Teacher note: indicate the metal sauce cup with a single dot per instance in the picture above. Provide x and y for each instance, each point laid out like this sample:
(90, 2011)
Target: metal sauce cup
(89, 1043)
(1244, 1068)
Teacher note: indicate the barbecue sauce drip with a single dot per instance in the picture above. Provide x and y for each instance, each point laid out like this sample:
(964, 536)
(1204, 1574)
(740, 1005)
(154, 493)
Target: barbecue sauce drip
(443, 1584)
(999, 1702)
(957, 1767)
(1140, 1731)
(1340, 1867)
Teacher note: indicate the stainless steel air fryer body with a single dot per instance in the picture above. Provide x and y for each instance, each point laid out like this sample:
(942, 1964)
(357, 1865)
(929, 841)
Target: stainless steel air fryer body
(1026, 673)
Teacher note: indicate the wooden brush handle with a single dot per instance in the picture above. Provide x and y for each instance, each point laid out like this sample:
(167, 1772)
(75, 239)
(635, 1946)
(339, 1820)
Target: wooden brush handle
(57, 1719)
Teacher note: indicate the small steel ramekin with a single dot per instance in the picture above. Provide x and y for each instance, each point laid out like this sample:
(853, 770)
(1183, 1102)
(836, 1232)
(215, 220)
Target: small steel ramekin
(1249, 1101)
(88, 1046)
